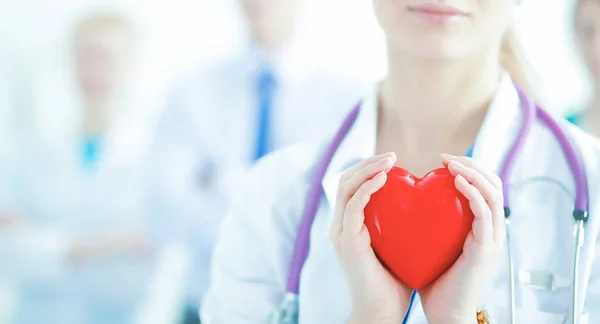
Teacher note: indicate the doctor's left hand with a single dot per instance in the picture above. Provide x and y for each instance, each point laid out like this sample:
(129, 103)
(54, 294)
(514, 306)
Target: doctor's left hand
(454, 297)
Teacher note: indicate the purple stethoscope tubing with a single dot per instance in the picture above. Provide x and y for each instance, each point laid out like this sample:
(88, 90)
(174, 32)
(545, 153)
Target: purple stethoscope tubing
(531, 112)
(312, 203)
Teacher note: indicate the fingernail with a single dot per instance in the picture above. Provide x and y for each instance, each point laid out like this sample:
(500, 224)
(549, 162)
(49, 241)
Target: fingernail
(449, 157)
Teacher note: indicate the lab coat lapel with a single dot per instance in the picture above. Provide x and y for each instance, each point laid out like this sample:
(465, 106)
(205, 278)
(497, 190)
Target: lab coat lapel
(499, 128)
(359, 144)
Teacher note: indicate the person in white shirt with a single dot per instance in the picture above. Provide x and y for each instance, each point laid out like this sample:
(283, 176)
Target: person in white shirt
(219, 121)
(79, 256)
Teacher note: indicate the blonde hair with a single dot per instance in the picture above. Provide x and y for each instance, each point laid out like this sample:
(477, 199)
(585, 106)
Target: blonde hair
(512, 59)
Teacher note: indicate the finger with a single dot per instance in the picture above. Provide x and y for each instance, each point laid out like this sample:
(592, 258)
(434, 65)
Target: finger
(471, 163)
(354, 215)
(345, 192)
(490, 193)
(482, 222)
(474, 177)
(373, 159)
(347, 187)
(350, 187)
(373, 165)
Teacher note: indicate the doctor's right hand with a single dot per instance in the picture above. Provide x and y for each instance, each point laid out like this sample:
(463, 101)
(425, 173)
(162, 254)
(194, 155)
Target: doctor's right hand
(377, 296)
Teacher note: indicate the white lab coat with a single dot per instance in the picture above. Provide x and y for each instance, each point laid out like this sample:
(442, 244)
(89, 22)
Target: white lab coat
(62, 201)
(206, 140)
(256, 241)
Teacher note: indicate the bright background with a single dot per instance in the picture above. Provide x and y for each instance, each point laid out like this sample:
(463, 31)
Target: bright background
(179, 35)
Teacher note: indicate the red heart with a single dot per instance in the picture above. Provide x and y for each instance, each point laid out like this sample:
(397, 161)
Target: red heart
(418, 226)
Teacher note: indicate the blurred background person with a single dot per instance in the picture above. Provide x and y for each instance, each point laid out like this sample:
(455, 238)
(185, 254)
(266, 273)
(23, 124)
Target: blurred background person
(217, 122)
(587, 29)
(79, 254)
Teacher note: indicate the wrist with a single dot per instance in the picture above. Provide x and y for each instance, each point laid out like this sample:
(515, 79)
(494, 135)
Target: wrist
(357, 317)
(470, 318)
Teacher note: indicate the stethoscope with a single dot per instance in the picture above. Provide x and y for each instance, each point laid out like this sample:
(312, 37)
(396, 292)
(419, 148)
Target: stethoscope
(288, 311)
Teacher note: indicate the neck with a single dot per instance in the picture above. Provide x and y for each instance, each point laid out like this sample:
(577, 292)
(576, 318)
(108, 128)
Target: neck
(269, 39)
(426, 91)
(97, 116)
(431, 106)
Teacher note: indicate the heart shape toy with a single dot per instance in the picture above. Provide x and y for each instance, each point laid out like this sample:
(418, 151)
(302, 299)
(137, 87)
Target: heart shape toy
(418, 226)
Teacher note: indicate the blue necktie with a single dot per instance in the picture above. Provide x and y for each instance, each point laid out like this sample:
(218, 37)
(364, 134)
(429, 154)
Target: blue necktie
(91, 152)
(266, 88)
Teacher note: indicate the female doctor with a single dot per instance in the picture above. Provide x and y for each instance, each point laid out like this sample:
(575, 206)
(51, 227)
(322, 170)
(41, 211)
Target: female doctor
(450, 89)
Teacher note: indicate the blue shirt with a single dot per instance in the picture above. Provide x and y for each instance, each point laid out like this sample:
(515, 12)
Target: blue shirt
(266, 84)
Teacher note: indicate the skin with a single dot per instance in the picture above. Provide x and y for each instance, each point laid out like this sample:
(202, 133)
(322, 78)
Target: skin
(424, 112)
(102, 57)
(587, 27)
(271, 22)
(102, 51)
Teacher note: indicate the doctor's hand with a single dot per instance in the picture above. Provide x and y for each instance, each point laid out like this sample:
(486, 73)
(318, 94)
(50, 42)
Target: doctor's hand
(454, 297)
(377, 297)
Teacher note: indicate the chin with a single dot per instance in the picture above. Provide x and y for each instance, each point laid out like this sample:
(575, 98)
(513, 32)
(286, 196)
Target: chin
(441, 52)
